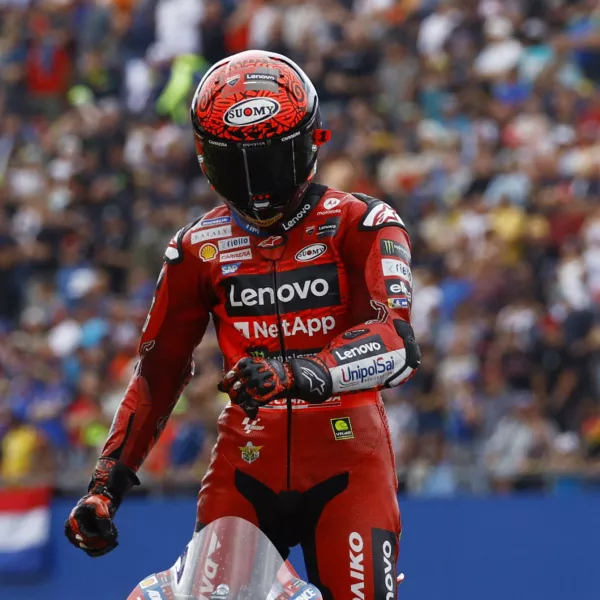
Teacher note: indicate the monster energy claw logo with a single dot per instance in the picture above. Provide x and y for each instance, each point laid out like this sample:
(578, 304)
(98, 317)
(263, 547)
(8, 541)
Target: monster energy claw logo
(393, 248)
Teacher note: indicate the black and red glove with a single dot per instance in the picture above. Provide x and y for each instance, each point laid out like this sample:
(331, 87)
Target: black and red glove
(254, 382)
(90, 525)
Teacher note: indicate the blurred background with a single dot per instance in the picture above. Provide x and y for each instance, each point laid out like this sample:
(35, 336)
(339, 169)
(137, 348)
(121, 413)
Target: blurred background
(478, 120)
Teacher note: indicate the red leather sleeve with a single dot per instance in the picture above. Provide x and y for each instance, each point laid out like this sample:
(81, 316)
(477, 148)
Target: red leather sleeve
(377, 352)
(175, 325)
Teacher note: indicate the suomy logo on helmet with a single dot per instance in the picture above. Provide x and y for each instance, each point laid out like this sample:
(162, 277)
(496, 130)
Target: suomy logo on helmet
(251, 111)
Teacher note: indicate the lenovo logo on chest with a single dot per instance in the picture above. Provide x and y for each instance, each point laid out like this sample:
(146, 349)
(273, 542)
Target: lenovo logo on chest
(289, 291)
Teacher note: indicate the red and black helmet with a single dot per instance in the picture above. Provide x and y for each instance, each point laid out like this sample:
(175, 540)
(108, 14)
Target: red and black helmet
(257, 126)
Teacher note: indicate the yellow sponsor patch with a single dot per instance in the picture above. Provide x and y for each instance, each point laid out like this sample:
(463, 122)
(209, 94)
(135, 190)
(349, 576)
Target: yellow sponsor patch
(342, 428)
(208, 252)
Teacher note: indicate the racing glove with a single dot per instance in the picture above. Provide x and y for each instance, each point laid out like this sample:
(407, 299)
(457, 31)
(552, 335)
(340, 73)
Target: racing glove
(90, 525)
(254, 382)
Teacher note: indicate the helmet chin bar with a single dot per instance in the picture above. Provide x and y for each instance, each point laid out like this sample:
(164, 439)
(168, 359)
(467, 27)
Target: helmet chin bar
(261, 204)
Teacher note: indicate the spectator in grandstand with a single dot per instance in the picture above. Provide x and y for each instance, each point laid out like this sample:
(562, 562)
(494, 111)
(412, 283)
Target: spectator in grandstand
(520, 446)
(25, 455)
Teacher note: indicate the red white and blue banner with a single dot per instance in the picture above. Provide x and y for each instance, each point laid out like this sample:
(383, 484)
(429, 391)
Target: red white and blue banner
(24, 531)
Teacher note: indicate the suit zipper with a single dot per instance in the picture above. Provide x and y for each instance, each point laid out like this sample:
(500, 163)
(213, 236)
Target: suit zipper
(289, 400)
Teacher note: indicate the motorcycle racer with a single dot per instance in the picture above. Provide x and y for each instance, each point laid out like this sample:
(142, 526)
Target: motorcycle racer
(310, 291)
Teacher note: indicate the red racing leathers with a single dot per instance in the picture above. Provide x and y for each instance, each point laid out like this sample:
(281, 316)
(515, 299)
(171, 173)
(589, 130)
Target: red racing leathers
(334, 282)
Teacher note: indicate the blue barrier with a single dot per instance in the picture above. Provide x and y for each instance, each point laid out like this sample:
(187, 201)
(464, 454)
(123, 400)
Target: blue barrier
(462, 549)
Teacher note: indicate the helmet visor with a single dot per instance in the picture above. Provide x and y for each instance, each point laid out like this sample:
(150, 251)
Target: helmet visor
(262, 177)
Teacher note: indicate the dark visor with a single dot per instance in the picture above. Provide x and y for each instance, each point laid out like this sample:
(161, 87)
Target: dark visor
(256, 176)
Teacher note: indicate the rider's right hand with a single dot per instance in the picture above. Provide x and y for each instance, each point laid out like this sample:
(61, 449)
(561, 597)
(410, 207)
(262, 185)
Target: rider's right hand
(90, 526)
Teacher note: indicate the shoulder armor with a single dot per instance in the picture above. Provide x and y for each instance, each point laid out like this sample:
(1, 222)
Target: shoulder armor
(378, 214)
(174, 252)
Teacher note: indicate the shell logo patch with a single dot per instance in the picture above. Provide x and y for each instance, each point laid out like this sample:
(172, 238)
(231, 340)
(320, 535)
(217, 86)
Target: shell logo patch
(208, 252)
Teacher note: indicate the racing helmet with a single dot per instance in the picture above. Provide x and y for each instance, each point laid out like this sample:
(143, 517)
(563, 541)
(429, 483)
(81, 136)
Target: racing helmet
(257, 128)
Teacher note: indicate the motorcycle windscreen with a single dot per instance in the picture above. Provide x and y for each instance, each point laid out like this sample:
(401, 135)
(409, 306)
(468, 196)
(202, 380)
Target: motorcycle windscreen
(230, 559)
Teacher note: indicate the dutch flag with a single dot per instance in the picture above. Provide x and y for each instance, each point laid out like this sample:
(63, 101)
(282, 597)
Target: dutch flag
(24, 531)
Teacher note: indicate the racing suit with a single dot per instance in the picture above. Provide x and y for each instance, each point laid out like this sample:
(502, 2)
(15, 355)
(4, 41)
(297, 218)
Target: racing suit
(335, 281)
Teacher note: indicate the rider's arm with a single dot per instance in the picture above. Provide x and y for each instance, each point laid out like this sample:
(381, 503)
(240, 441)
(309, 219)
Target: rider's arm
(380, 350)
(176, 322)
(175, 325)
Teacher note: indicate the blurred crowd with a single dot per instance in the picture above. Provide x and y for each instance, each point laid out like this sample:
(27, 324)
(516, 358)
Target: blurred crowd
(479, 120)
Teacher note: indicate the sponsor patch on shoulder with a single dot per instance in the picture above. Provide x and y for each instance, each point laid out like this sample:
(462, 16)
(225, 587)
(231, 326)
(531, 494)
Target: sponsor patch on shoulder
(331, 203)
(211, 234)
(378, 215)
(329, 227)
(208, 252)
(213, 222)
